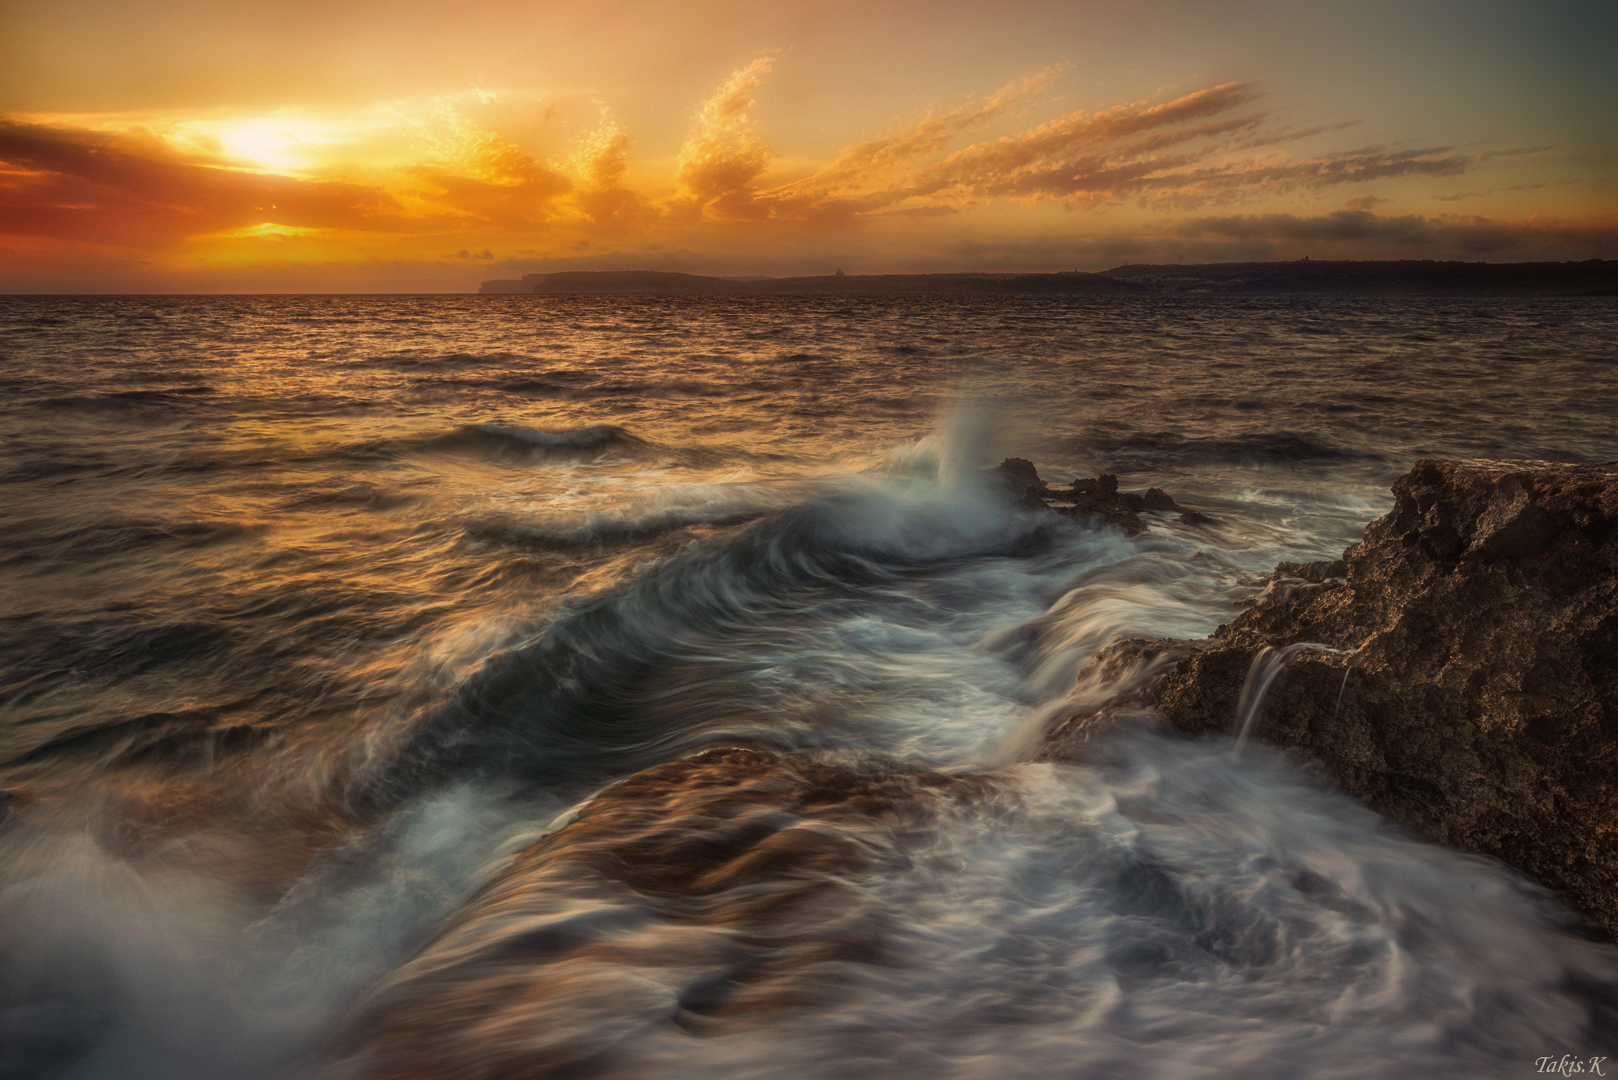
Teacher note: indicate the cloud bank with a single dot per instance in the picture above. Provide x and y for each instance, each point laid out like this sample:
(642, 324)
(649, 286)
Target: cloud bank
(1010, 179)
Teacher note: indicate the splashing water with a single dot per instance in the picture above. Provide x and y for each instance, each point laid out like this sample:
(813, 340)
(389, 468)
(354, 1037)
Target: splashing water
(1337, 707)
(1261, 675)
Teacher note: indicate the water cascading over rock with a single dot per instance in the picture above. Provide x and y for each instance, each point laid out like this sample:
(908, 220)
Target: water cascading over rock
(1475, 697)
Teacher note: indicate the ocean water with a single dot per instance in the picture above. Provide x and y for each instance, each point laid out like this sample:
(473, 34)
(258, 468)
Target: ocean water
(319, 615)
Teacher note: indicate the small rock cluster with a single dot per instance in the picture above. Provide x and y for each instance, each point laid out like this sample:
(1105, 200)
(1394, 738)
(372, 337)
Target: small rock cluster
(1095, 499)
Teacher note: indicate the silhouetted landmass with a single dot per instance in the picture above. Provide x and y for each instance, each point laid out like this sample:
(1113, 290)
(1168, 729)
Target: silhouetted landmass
(1411, 277)
(648, 281)
(1408, 277)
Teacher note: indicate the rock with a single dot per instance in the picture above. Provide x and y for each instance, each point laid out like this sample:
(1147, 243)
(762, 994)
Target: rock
(1100, 500)
(1093, 499)
(1316, 572)
(1106, 513)
(1104, 486)
(735, 863)
(1476, 697)
(1018, 478)
(1019, 473)
(1158, 499)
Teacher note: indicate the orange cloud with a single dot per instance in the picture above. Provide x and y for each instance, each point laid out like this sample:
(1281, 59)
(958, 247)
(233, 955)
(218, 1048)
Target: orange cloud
(1177, 153)
(870, 158)
(723, 157)
(1186, 152)
(134, 191)
(1051, 158)
(602, 162)
(482, 175)
(441, 179)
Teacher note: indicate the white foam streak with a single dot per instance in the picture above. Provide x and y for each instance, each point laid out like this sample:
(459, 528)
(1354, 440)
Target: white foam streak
(1169, 914)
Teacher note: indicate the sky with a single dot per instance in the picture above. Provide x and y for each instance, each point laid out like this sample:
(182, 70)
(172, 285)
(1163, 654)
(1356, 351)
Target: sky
(413, 146)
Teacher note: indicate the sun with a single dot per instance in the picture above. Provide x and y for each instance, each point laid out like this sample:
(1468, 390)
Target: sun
(269, 145)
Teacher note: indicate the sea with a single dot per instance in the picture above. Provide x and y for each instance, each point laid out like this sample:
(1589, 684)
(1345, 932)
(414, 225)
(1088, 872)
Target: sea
(327, 623)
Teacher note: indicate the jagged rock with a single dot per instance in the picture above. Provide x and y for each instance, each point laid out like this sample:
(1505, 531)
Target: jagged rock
(1019, 473)
(1099, 499)
(1020, 480)
(1476, 695)
(1158, 499)
(1104, 486)
(1316, 572)
(1094, 499)
(1107, 513)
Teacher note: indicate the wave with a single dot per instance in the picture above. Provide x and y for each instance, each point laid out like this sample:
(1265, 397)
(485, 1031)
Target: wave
(168, 739)
(125, 400)
(512, 443)
(500, 440)
(460, 361)
(552, 388)
(603, 530)
(338, 494)
(1164, 910)
(111, 538)
(773, 635)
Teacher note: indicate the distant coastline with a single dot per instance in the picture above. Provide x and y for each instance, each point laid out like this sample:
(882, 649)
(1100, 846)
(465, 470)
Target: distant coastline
(1410, 277)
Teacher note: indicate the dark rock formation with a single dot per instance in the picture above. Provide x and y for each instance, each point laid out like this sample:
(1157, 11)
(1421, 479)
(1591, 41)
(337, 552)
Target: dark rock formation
(1018, 478)
(1475, 697)
(1094, 499)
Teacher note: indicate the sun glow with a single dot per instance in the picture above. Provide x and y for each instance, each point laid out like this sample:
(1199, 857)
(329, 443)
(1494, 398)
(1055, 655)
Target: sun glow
(269, 145)
(267, 230)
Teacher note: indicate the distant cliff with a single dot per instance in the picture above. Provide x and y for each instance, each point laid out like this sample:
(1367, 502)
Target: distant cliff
(1408, 277)
(652, 282)
(1411, 277)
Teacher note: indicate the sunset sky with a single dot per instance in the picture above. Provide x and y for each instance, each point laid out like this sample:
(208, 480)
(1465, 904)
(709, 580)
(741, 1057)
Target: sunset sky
(304, 146)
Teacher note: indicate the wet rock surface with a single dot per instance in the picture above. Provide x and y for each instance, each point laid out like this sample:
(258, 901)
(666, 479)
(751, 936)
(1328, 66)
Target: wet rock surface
(734, 863)
(1474, 693)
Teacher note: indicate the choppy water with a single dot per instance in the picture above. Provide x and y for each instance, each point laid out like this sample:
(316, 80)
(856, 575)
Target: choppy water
(319, 612)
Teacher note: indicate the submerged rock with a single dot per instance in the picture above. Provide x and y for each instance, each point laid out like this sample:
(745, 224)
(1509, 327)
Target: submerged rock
(1474, 693)
(734, 875)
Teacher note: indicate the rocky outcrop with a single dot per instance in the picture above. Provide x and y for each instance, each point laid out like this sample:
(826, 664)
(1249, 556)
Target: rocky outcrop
(1473, 695)
(1093, 499)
